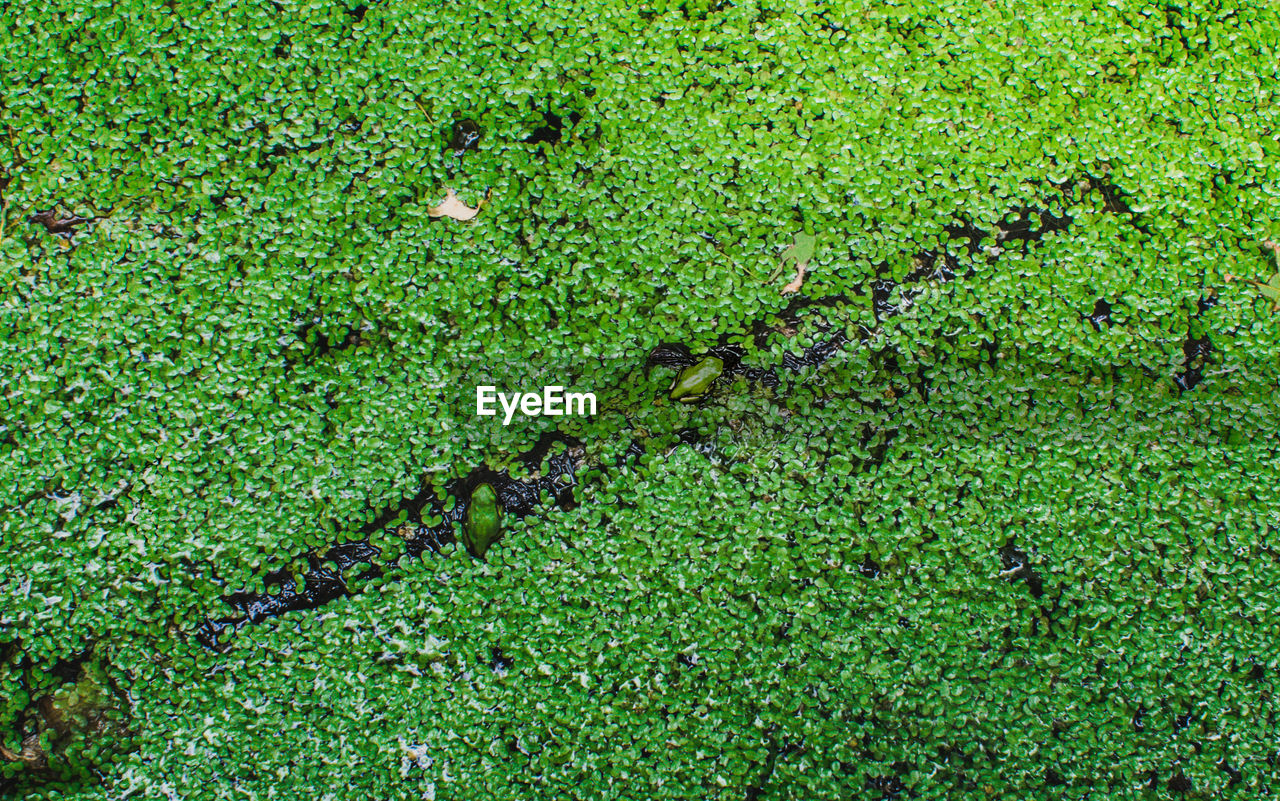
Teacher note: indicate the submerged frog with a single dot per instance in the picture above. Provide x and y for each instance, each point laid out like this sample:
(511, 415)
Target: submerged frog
(692, 383)
(483, 522)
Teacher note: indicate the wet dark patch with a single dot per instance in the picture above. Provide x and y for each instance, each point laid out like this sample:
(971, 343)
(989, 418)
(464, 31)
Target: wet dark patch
(869, 568)
(776, 750)
(1195, 351)
(1179, 783)
(324, 580)
(816, 355)
(68, 669)
(791, 320)
(731, 355)
(1029, 224)
(1182, 721)
(972, 235)
(676, 356)
(696, 12)
(1118, 202)
(357, 13)
(1101, 314)
(881, 291)
(320, 585)
(266, 157)
(943, 265)
(1235, 776)
(552, 129)
(499, 661)
(1139, 719)
(888, 787)
(634, 451)
(1016, 565)
(283, 48)
(670, 354)
(931, 270)
(691, 438)
(322, 344)
(464, 135)
(1153, 779)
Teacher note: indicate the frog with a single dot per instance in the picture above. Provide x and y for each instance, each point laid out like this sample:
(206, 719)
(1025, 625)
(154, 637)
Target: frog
(483, 523)
(693, 382)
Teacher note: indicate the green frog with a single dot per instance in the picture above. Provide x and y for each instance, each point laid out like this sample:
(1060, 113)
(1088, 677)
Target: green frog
(693, 382)
(483, 522)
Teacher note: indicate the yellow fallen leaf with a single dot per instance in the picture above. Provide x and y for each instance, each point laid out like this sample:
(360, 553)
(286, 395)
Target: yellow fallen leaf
(455, 209)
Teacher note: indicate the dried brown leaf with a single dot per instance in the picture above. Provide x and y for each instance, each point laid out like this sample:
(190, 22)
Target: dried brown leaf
(797, 282)
(454, 208)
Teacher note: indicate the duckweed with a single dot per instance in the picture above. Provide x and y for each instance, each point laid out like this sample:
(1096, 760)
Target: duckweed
(984, 510)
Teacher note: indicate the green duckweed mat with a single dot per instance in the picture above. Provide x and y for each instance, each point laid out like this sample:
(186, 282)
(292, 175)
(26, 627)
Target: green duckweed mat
(985, 510)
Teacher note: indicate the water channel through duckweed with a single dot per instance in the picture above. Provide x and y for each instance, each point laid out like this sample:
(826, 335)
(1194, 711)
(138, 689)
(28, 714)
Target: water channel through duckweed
(556, 461)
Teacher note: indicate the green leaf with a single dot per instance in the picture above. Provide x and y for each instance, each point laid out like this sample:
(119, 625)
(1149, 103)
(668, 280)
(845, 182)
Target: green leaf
(802, 249)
